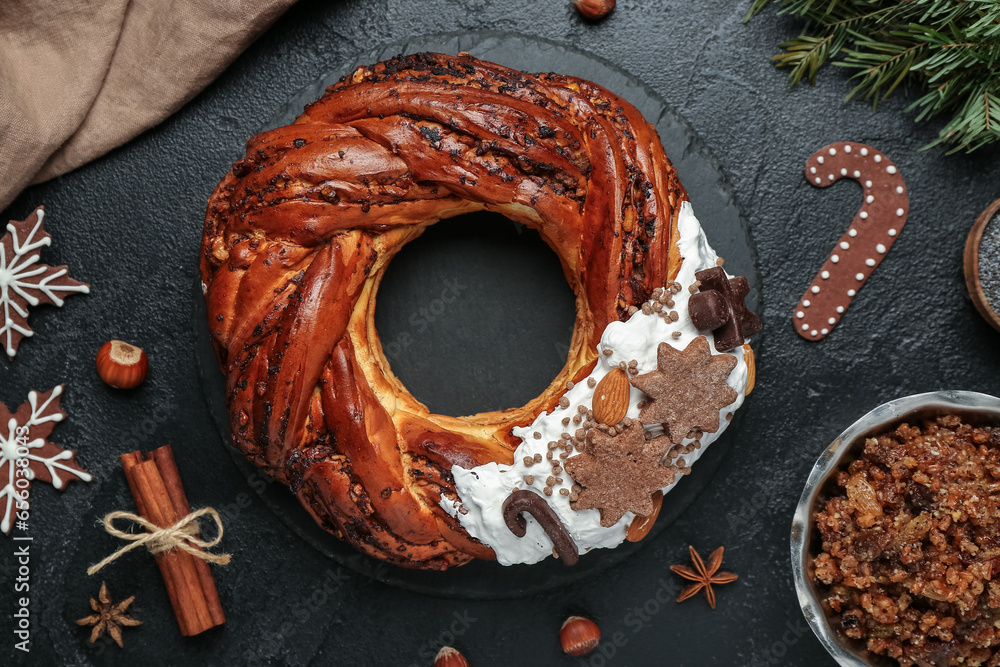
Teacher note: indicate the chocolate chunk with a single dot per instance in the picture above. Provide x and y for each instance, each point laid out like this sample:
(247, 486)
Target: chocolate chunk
(740, 323)
(708, 310)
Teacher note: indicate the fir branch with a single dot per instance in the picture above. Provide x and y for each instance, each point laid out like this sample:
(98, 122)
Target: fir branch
(805, 55)
(948, 50)
(883, 66)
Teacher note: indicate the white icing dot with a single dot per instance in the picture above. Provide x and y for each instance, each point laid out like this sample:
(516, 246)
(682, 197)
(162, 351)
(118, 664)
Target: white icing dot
(863, 215)
(868, 184)
(864, 151)
(814, 332)
(815, 289)
(820, 159)
(806, 303)
(834, 258)
(831, 177)
(852, 232)
(833, 151)
(870, 198)
(840, 309)
(843, 172)
(844, 245)
(892, 232)
(856, 174)
(812, 170)
(899, 189)
(819, 180)
(878, 158)
(825, 331)
(859, 276)
(825, 275)
(800, 314)
(899, 213)
(851, 292)
(891, 169)
(831, 320)
(847, 148)
(880, 248)
(805, 327)
(870, 262)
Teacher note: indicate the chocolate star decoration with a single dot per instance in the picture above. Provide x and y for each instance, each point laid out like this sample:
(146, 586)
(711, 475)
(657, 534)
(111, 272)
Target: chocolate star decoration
(719, 307)
(620, 473)
(109, 617)
(688, 388)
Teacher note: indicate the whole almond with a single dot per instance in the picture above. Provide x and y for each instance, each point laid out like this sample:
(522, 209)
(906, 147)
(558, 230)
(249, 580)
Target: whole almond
(611, 397)
(751, 368)
(641, 525)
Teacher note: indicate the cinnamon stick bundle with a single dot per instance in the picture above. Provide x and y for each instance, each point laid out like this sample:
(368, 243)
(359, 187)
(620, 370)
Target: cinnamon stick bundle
(156, 486)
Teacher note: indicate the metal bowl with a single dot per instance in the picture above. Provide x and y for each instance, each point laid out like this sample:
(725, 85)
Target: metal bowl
(974, 408)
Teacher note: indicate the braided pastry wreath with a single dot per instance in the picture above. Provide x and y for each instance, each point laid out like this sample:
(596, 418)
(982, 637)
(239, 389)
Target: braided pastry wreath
(298, 236)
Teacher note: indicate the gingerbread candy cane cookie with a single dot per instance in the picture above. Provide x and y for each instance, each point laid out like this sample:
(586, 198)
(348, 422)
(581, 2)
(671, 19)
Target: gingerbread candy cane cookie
(872, 232)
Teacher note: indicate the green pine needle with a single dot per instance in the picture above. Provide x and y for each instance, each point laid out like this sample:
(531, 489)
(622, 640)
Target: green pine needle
(948, 50)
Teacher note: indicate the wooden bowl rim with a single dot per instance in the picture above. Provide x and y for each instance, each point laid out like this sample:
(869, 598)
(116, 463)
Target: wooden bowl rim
(972, 282)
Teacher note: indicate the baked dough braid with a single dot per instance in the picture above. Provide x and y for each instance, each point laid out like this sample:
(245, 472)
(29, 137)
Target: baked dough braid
(299, 233)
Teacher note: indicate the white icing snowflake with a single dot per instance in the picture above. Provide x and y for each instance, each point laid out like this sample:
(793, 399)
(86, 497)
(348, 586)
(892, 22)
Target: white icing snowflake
(28, 429)
(24, 281)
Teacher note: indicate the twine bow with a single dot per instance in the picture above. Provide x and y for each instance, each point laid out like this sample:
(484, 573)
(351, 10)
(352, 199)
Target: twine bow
(181, 535)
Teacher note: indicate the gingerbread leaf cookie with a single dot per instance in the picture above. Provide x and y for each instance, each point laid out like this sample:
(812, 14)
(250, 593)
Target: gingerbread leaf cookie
(688, 388)
(25, 281)
(24, 437)
(620, 473)
(863, 247)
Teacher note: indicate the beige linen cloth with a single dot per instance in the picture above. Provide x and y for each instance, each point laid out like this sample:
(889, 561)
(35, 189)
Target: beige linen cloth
(80, 77)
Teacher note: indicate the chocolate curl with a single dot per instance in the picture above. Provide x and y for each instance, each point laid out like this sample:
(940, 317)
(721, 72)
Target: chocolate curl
(722, 305)
(527, 501)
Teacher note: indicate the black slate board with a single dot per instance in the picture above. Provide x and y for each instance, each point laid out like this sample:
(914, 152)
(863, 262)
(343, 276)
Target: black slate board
(505, 333)
(130, 224)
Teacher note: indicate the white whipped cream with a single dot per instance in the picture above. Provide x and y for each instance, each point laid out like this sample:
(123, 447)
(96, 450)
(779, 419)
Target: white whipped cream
(483, 489)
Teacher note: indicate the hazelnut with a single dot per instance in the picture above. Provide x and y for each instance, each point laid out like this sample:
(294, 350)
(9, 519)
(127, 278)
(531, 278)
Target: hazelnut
(121, 365)
(449, 657)
(594, 10)
(579, 636)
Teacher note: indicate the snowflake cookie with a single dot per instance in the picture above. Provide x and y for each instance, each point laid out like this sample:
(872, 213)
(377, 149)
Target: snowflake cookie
(25, 281)
(28, 430)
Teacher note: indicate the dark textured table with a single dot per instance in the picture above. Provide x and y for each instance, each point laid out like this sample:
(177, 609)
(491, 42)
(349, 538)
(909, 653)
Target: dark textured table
(130, 225)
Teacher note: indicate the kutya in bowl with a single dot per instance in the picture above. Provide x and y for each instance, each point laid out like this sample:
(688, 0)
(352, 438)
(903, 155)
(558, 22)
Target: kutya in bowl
(910, 520)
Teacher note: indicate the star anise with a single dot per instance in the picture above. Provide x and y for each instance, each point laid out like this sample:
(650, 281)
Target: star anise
(110, 617)
(704, 575)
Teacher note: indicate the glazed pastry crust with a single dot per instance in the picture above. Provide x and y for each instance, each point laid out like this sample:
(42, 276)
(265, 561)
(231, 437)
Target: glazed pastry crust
(298, 236)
